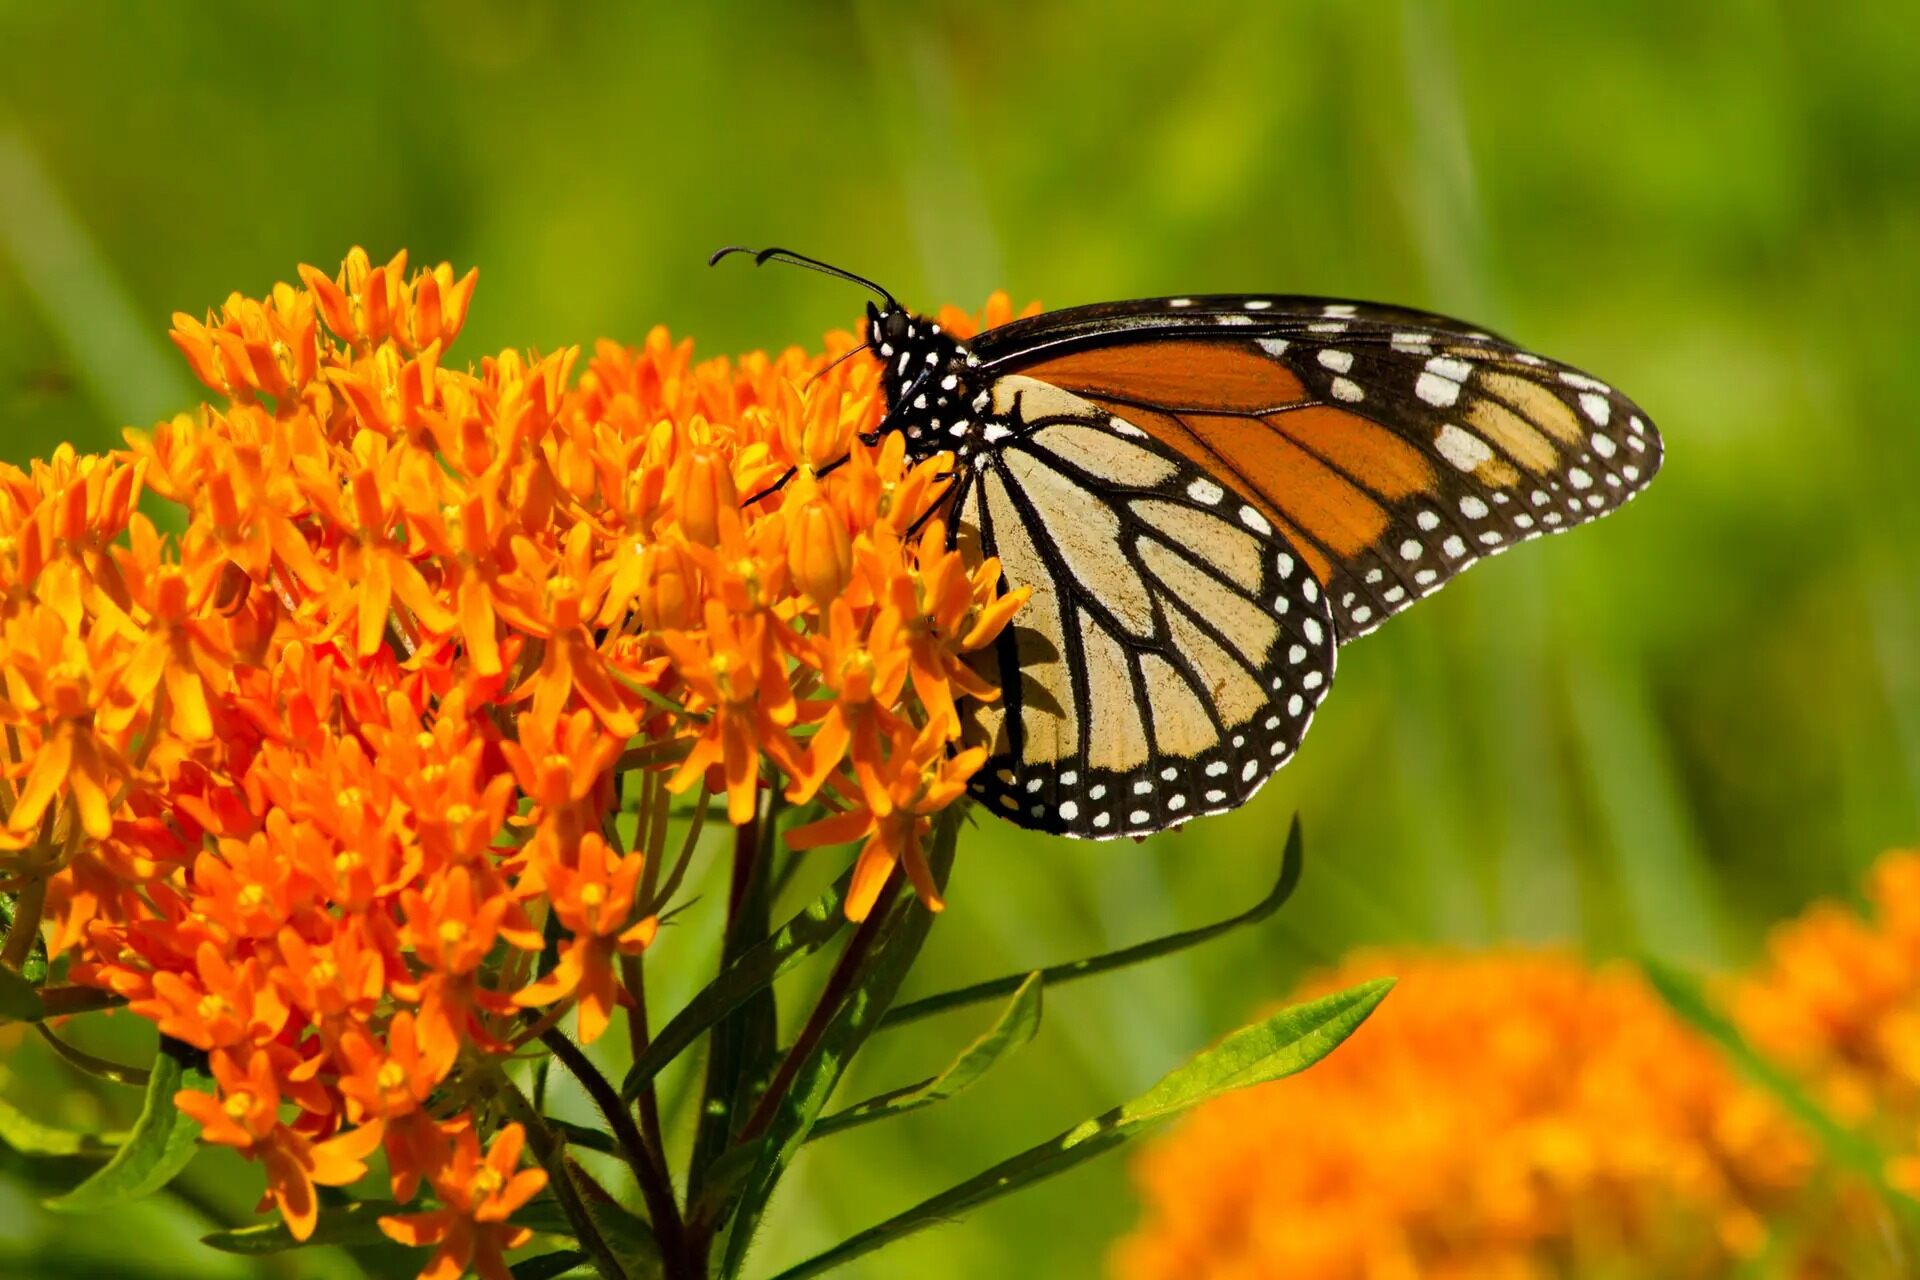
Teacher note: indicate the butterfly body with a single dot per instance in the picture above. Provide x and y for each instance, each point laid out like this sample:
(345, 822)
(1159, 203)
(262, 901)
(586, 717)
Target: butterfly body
(1208, 496)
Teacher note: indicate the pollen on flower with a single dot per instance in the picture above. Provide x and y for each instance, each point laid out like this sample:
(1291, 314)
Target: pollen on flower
(309, 780)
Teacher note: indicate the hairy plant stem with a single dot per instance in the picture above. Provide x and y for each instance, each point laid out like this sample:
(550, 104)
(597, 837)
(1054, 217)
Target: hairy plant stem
(848, 971)
(656, 1188)
(552, 1154)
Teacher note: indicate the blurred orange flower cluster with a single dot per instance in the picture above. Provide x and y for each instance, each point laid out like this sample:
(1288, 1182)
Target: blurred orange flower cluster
(1837, 1002)
(303, 764)
(1505, 1114)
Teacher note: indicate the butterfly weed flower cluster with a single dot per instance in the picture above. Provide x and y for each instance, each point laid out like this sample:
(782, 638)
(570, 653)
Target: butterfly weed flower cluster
(343, 716)
(1548, 1118)
(1511, 1113)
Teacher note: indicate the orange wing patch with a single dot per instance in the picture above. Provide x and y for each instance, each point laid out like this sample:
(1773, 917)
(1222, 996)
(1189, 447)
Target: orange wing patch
(1179, 374)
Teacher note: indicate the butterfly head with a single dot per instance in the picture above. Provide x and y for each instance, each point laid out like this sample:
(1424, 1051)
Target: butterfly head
(925, 376)
(927, 381)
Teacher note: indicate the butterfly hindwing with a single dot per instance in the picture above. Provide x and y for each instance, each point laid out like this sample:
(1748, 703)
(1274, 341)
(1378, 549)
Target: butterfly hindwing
(1176, 644)
(1392, 448)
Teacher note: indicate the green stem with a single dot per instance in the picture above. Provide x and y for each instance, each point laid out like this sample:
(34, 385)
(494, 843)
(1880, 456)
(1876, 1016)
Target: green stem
(27, 910)
(552, 1154)
(655, 1188)
(844, 978)
(116, 1072)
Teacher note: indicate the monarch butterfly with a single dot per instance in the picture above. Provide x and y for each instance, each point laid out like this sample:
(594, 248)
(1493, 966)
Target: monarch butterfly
(1209, 495)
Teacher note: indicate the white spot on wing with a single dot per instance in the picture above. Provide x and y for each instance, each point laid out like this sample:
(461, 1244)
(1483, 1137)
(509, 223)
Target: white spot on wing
(1206, 491)
(1436, 391)
(1462, 448)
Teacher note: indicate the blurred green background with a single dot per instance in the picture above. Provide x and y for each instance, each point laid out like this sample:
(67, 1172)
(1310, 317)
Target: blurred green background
(1658, 735)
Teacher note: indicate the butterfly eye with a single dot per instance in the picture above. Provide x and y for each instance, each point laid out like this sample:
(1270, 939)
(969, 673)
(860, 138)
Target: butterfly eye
(893, 327)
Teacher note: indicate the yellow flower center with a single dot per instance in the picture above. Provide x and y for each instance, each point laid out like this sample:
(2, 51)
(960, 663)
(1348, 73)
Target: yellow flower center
(593, 895)
(252, 895)
(391, 1075)
(453, 931)
(237, 1104)
(458, 814)
(348, 861)
(211, 1007)
(324, 971)
(488, 1181)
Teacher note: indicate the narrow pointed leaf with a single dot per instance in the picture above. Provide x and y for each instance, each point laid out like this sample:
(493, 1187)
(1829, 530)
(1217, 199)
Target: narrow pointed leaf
(549, 1266)
(1291, 1040)
(756, 968)
(358, 1223)
(1851, 1150)
(29, 1137)
(813, 1083)
(1015, 1026)
(160, 1143)
(581, 1135)
(1291, 861)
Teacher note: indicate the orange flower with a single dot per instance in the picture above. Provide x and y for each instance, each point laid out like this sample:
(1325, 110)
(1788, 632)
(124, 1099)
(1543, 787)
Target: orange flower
(470, 1233)
(735, 670)
(595, 900)
(919, 778)
(229, 1004)
(246, 1116)
(67, 686)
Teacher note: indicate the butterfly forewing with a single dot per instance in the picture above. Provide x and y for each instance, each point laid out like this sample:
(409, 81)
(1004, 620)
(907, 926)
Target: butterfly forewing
(1392, 448)
(1176, 644)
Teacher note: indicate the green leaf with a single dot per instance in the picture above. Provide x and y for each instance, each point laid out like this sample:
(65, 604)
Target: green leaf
(160, 1144)
(19, 999)
(756, 968)
(1016, 1025)
(29, 1137)
(549, 1266)
(1291, 861)
(580, 1135)
(1851, 1150)
(1291, 1040)
(900, 937)
(358, 1223)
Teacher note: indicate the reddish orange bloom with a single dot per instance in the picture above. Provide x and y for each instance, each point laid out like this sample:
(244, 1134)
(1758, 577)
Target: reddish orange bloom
(595, 900)
(471, 1232)
(918, 779)
(246, 1116)
(68, 684)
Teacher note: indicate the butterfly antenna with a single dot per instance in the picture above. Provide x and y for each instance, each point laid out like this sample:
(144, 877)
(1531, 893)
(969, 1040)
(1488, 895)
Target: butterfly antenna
(763, 256)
